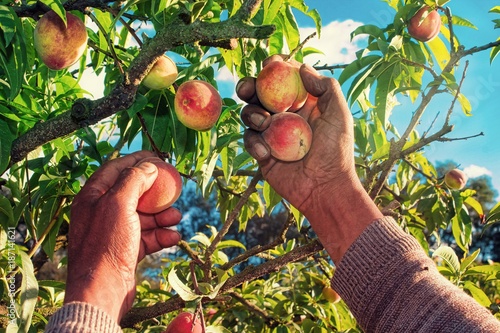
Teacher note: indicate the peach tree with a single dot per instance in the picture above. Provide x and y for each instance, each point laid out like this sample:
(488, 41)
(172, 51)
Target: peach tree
(54, 134)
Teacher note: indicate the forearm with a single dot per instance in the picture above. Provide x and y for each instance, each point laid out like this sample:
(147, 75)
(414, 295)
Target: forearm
(338, 217)
(391, 285)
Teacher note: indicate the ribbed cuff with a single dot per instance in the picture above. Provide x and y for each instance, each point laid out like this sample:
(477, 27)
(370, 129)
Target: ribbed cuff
(376, 255)
(79, 317)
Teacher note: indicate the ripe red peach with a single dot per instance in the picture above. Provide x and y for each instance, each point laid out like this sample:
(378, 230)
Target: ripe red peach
(184, 323)
(162, 75)
(455, 179)
(289, 136)
(58, 45)
(197, 105)
(330, 294)
(425, 29)
(165, 190)
(279, 87)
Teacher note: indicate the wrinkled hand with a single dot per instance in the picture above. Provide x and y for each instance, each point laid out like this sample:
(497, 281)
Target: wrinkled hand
(323, 185)
(108, 237)
(329, 165)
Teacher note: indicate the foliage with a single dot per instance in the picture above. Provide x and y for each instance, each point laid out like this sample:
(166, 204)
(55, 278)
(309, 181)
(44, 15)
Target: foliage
(54, 135)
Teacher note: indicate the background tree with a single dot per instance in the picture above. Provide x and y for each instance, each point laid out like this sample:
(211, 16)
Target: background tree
(54, 135)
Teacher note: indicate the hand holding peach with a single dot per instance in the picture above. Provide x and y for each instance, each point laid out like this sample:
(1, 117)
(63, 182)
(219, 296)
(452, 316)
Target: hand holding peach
(165, 190)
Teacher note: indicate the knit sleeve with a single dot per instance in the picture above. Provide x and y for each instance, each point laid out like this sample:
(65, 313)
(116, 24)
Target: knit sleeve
(78, 317)
(391, 285)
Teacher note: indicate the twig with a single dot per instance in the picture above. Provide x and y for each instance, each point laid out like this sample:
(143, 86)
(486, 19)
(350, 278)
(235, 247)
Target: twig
(462, 138)
(229, 221)
(457, 93)
(137, 315)
(299, 47)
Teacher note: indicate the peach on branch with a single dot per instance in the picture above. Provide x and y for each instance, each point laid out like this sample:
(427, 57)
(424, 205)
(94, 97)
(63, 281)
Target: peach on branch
(330, 294)
(288, 136)
(59, 45)
(425, 24)
(455, 179)
(165, 190)
(185, 322)
(162, 75)
(197, 105)
(279, 87)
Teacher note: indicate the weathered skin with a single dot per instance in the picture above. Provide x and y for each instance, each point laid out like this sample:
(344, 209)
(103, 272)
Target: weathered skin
(198, 105)
(60, 46)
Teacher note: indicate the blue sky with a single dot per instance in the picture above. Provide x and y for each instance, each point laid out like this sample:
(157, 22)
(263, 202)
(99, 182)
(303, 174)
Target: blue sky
(476, 156)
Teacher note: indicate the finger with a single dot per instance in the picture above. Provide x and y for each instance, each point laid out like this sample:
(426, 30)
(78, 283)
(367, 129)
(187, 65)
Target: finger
(331, 100)
(245, 89)
(256, 117)
(158, 239)
(256, 146)
(105, 177)
(131, 184)
(166, 218)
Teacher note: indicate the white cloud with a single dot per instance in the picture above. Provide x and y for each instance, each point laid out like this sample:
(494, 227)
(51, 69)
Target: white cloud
(473, 171)
(335, 42)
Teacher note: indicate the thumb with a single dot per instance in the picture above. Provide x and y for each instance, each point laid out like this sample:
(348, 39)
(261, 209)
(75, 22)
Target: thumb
(133, 182)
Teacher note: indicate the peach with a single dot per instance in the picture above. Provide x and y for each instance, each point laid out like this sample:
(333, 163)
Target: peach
(60, 46)
(197, 105)
(330, 294)
(162, 75)
(279, 87)
(455, 179)
(184, 323)
(288, 136)
(425, 29)
(165, 190)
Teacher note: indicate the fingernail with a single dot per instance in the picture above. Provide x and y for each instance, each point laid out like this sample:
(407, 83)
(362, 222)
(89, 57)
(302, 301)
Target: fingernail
(257, 119)
(147, 167)
(260, 150)
(239, 84)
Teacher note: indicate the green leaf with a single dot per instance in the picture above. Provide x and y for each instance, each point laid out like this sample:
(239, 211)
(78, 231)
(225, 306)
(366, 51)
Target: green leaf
(495, 9)
(7, 21)
(271, 197)
(28, 293)
(5, 145)
(356, 66)
(439, 50)
(368, 29)
(57, 7)
(468, 261)
(6, 213)
(450, 258)
(182, 289)
(477, 293)
(471, 201)
(494, 52)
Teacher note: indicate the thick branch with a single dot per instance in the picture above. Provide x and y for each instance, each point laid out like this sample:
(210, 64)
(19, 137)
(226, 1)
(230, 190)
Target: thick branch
(122, 97)
(137, 315)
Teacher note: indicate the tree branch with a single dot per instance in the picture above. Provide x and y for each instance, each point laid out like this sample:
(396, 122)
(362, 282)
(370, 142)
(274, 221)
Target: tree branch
(122, 96)
(137, 315)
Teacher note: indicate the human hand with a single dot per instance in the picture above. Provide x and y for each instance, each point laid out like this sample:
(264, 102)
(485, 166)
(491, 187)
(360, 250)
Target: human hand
(108, 237)
(323, 185)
